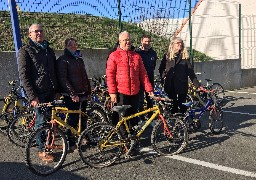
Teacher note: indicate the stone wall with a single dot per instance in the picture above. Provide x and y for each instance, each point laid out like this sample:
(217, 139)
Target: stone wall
(226, 72)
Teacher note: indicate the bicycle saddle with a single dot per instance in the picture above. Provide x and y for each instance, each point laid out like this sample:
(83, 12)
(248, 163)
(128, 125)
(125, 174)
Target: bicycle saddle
(121, 109)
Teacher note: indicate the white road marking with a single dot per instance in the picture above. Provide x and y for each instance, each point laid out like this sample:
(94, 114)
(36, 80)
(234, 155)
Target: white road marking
(205, 164)
(243, 113)
(241, 92)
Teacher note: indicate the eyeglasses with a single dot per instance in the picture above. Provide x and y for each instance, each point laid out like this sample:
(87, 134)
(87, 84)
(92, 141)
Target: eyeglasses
(37, 31)
(125, 40)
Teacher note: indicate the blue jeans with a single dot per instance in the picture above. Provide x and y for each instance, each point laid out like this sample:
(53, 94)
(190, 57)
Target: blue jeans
(38, 124)
(41, 119)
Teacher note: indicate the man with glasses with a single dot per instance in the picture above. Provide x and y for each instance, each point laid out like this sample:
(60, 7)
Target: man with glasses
(125, 74)
(37, 72)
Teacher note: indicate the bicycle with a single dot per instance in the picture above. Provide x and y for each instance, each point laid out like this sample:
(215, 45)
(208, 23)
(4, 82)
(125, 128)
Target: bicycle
(55, 142)
(219, 90)
(192, 117)
(102, 144)
(14, 104)
(21, 127)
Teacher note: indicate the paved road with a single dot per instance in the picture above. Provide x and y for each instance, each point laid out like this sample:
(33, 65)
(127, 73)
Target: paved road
(230, 155)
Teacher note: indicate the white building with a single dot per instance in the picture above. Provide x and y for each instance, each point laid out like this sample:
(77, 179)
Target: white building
(215, 30)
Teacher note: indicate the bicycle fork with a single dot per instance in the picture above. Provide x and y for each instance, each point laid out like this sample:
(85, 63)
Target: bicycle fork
(165, 126)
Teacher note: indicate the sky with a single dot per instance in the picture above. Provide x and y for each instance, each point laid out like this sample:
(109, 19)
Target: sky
(132, 10)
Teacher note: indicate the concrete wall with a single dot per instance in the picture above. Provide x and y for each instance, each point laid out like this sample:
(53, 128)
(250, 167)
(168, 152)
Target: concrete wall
(226, 72)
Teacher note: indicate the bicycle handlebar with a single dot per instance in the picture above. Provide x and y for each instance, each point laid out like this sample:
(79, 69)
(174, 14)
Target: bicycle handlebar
(205, 90)
(50, 104)
(161, 99)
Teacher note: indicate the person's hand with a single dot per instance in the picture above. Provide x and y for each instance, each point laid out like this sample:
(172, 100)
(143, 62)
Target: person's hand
(151, 94)
(75, 98)
(113, 98)
(34, 102)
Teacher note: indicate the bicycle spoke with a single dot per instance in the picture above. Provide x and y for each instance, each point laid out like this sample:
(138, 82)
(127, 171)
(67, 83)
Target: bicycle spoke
(170, 138)
(97, 145)
(52, 144)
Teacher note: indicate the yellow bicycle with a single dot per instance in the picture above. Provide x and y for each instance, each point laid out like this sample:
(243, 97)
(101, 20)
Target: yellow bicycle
(51, 138)
(102, 144)
(13, 104)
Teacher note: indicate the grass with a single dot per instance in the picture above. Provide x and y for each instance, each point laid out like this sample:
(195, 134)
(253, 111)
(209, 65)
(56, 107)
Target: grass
(90, 31)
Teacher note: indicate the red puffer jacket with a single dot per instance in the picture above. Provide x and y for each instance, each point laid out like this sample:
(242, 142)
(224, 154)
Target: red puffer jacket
(125, 72)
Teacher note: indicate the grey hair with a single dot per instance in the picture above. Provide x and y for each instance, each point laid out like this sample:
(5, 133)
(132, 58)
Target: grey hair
(121, 33)
(32, 25)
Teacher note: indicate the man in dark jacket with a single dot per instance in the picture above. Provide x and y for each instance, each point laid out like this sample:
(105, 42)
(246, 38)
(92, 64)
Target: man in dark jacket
(149, 58)
(37, 73)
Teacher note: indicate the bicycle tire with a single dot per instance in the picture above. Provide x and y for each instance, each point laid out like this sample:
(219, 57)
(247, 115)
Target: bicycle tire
(7, 116)
(216, 120)
(21, 128)
(219, 91)
(58, 151)
(96, 115)
(89, 146)
(166, 145)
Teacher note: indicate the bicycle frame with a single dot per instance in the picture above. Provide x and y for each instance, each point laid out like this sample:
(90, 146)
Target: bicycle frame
(124, 120)
(191, 113)
(66, 111)
(13, 96)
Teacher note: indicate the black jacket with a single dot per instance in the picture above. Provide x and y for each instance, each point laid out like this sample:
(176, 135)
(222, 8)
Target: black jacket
(72, 74)
(37, 69)
(149, 60)
(176, 74)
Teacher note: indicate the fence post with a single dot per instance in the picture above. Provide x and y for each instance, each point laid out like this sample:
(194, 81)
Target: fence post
(119, 15)
(190, 32)
(240, 33)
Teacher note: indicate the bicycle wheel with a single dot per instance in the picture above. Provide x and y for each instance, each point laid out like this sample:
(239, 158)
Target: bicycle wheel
(53, 144)
(170, 139)
(7, 116)
(95, 115)
(219, 91)
(215, 120)
(21, 128)
(99, 145)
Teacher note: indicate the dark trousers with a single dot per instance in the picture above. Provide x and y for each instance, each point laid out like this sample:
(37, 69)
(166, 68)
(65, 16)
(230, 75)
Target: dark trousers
(73, 119)
(178, 99)
(123, 99)
(142, 95)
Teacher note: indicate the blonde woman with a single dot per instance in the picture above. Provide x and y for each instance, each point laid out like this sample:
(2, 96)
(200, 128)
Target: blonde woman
(175, 68)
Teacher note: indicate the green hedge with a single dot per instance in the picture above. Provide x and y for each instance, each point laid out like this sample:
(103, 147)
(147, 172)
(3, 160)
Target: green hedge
(90, 31)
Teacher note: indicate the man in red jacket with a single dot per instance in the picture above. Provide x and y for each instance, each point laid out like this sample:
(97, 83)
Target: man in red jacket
(125, 73)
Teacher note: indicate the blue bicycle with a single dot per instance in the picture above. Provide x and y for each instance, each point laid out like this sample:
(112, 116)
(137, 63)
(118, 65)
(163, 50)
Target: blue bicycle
(192, 117)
